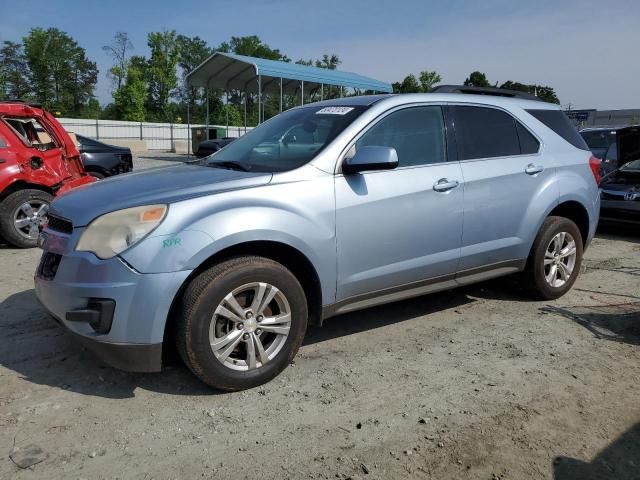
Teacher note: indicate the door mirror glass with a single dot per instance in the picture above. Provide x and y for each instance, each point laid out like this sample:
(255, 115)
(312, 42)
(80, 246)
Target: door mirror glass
(370, 158)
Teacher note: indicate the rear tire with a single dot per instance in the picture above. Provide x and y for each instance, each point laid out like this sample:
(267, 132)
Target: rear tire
(556, 256)
(241, 322)
(20, 215)
(97, 175)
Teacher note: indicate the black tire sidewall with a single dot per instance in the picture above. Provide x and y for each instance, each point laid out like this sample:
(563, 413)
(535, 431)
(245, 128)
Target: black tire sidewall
(201, 358)
(551, 227)
(7, 210)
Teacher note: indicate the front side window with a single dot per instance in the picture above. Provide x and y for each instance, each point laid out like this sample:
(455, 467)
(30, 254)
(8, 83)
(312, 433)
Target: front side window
(485, 133)
(417, 134)
(286, 141)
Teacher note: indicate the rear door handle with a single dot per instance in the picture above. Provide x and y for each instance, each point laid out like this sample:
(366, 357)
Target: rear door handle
(444, 185)
(533, 169)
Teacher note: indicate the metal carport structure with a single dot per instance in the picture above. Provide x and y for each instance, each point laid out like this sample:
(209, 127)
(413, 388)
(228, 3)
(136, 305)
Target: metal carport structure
(253, 75)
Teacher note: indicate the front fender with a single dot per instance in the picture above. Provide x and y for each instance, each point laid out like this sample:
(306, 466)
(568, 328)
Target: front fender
(197, 229)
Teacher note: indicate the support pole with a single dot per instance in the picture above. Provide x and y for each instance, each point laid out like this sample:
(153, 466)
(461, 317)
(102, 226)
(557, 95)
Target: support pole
(227, 110)
(321, 91)
(280, 94)
(302, 92)
(206, 123)
(259, 97)
(246, 94)
(188, 130)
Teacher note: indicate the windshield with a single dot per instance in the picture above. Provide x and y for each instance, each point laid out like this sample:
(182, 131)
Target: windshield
(286, 141)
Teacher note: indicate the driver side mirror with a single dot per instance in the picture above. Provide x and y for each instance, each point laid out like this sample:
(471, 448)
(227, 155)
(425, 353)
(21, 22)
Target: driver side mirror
(371, 158)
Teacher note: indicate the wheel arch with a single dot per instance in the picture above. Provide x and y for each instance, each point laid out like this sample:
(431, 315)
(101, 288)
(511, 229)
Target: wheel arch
(22, 185)
(290, 257)
(577, 213)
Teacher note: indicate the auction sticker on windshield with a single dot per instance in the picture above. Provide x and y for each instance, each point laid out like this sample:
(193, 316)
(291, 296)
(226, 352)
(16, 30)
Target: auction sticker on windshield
(334, 111)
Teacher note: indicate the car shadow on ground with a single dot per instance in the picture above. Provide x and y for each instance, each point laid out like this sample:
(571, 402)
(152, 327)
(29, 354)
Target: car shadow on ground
(41, 352)
(619, 461)
(617, 321)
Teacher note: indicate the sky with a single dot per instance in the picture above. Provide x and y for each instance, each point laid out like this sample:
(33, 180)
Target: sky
(587, 50)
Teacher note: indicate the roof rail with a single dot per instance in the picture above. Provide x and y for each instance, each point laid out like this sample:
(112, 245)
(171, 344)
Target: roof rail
(499, 92)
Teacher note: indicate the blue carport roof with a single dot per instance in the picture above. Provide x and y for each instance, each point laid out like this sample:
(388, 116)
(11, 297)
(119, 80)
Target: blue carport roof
(238, 72)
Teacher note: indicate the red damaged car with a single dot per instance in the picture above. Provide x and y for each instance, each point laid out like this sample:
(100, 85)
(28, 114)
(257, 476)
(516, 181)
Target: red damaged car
(38, 160)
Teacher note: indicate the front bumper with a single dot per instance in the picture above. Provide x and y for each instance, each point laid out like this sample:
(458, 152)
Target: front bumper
(134, 339)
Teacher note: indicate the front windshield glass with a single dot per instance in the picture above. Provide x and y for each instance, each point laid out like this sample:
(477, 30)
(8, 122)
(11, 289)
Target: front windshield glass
(286, 141)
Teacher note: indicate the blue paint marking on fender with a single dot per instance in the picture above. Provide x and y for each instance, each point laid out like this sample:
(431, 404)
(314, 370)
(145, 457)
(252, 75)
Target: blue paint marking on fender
(171, 242)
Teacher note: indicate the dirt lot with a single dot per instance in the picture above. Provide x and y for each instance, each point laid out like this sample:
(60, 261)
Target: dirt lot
(477, 383)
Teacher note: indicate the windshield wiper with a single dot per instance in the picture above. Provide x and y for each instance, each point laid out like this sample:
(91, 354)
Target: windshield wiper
(230, 165)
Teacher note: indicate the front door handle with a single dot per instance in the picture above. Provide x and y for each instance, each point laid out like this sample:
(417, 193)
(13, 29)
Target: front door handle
(533, 169)
(444, 185)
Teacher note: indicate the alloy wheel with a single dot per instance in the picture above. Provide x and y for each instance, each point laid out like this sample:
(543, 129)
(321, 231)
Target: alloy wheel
(250, 326)
(560, 259)
(29, 216)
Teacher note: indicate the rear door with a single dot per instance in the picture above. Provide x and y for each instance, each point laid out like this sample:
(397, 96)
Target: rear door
(503, 170)
(397, 227)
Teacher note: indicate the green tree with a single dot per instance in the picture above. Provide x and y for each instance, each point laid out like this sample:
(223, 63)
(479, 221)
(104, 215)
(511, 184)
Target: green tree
(14, 71)
(80, 84)
(119, 51)
(423, 84)
(162, 75)
(193, 51)
(543, 92)
(63, 78)
(129, 99)
(408, 85)
(428, 79)
(329, 62)
(253, 47)
(477, 79)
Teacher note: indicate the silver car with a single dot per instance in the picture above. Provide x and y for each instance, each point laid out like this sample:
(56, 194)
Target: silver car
(324, 209)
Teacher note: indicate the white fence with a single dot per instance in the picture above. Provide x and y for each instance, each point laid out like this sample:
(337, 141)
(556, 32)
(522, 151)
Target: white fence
(157, 136)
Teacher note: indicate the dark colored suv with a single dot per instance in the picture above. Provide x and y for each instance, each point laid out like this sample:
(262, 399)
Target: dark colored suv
(102, 160)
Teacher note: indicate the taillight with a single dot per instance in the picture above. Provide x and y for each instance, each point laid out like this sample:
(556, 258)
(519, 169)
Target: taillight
(595, 163)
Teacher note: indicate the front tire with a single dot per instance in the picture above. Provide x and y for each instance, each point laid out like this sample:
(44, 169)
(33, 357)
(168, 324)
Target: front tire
(241, 322)
(555, 259)
(21, 214)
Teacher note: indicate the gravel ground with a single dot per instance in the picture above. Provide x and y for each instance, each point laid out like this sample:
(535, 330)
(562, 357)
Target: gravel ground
(475, 383)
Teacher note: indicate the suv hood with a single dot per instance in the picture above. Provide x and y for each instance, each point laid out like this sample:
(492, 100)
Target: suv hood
(162, 185)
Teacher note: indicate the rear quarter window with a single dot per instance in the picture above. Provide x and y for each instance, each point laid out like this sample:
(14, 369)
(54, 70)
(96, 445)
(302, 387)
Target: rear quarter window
(557, 121)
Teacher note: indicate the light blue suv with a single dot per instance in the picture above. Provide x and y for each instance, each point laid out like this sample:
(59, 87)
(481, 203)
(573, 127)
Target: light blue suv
(327, 208)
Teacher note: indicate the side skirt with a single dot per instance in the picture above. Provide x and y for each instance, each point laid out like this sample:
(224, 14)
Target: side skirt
(422, 287)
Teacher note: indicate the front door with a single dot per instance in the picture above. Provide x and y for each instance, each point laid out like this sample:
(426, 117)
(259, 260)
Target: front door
(401, 226)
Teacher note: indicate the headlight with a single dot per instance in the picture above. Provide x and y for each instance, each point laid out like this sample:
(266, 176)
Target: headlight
(114, 232)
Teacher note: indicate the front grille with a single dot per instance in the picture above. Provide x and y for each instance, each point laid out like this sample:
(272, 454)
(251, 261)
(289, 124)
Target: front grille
(49, 265)
(59, 224)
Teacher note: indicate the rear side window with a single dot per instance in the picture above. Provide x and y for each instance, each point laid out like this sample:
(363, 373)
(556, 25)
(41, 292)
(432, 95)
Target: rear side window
(557, 121)
(528, 143)
(417, 134)
(484, 133)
